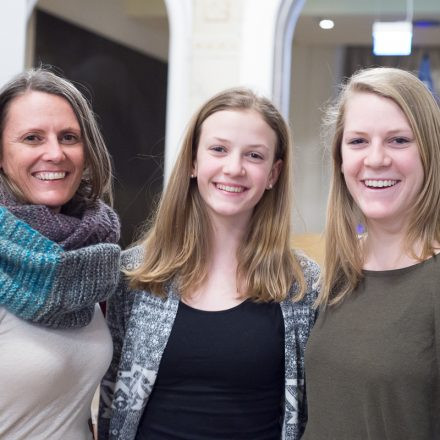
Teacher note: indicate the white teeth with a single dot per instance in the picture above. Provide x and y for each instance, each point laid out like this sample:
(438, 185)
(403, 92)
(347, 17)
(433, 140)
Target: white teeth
(234, 189)
(380, 183)
(46, 175)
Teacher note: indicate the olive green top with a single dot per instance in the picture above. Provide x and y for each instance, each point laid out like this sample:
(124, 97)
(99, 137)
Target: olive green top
(372, 363)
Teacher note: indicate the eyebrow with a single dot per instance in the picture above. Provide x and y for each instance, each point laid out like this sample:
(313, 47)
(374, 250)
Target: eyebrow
(40, 130)
(226, 141)
(71, 129)
(390, 132)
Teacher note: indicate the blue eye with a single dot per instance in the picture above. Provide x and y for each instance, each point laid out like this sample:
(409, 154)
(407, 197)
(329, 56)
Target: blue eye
(356, 141)
(218, 148)
(400, 140)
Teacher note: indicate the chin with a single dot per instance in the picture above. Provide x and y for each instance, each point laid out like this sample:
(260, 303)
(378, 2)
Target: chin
(54, 205)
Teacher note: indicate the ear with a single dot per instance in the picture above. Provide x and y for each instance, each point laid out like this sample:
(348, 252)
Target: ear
(274, 173)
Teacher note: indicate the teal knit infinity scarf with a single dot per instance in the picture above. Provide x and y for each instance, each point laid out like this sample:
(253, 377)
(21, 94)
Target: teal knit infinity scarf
(54, 284)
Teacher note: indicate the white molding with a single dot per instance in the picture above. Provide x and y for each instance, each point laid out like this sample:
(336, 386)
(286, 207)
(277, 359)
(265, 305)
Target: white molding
(30, 8)
(288, 14)
(258, 40)
(179, 61)
(12, 37)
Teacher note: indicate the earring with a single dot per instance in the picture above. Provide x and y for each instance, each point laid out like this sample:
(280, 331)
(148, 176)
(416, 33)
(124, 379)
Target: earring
(269, 186)
(193, 176)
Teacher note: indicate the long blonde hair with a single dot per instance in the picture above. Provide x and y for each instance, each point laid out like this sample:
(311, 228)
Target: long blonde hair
(177, 246)
(344, 258)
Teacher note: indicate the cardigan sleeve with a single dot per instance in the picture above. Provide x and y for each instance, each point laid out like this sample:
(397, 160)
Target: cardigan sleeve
(299, 318)
(312, 275)
(118, 313)
(42, 283)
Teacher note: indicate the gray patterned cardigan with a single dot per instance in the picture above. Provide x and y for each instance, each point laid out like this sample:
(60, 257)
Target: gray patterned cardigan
(140, 324)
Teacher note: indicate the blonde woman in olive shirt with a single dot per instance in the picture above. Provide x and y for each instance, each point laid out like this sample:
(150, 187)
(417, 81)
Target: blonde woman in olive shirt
(372, 361)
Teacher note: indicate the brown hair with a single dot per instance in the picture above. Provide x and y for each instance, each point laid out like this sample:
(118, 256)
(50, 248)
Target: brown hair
(178, 244)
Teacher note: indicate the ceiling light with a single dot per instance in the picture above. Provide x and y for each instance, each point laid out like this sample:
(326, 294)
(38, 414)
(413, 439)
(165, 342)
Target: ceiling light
(326, 24)
(392, 38)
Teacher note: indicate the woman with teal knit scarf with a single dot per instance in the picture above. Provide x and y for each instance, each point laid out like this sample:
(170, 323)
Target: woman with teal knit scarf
(58, 258)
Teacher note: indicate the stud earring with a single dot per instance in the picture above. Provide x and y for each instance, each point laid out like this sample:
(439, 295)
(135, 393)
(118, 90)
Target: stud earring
(193, 176)
(269, 186)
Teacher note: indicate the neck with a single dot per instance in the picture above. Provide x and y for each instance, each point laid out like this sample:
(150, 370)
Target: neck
(226, 238)
(220, 290)
(385, 249)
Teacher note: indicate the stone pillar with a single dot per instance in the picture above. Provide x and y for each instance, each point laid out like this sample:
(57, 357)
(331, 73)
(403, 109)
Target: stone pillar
(215, 44)
(14, 15)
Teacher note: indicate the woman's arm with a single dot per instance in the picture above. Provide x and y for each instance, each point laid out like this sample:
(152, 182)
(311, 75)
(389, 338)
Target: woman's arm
(42, 283)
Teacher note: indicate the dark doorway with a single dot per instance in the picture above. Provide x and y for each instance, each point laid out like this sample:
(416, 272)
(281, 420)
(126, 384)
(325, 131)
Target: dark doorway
(127, 90)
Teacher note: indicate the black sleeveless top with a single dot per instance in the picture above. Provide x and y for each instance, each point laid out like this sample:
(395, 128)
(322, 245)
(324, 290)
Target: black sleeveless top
(221, 376)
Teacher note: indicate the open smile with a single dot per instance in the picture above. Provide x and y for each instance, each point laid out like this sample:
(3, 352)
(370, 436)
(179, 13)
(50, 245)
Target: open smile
(50, 175)
(230, 188)
(380, 183)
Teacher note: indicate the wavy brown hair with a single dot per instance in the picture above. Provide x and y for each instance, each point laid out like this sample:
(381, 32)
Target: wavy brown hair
(177, 246)
(344, 257)
(97, 176)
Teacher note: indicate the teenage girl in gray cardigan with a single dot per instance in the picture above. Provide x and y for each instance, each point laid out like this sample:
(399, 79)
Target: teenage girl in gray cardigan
(210, 323)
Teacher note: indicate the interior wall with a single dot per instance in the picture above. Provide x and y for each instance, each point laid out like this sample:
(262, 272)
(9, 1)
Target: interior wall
(12, 38)
(316, 73)
(110, 19)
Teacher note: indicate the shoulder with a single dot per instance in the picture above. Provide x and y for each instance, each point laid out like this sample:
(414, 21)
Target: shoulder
(312, 273)
(310, 268)
(132, 257)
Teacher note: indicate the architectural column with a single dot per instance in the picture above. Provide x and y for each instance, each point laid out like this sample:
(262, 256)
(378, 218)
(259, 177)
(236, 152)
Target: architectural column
(215, 44)
(14, 18)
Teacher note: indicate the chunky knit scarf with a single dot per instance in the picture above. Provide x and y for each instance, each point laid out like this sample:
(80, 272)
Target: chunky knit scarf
(54, 284)
(78, 225)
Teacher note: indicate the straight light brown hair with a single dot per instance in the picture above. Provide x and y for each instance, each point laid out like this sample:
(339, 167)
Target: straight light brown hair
(177, 246)
(344, 256)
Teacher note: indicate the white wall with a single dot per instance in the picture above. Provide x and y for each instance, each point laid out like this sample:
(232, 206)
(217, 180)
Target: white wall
(13, 15)
(316, 72)
(109, 19)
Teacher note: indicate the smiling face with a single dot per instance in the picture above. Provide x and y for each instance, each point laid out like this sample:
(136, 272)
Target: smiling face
(380, 159)
(42, 151)
(235, 163)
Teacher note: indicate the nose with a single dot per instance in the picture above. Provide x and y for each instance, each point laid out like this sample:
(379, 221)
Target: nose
(234, 165)
(53, 150)
(377, 156)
